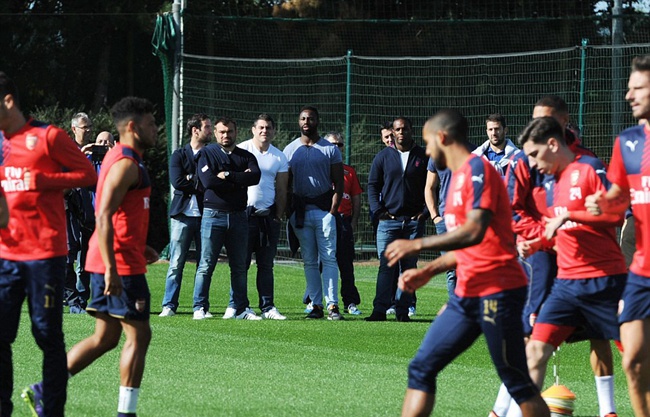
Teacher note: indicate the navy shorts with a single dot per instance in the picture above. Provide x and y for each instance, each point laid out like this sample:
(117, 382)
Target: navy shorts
(541, 270)
(636, 298)
(498, 317)
(133, 304)
(590, 304)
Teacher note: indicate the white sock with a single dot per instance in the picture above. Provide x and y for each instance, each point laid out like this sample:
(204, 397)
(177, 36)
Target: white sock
(514, 410)
(128, 399)
(605, 390)
(502, 402)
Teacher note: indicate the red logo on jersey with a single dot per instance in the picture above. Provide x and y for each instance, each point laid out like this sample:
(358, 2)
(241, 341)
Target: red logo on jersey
(30, 142)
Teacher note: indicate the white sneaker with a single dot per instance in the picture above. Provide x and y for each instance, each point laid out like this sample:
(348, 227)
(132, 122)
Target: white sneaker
(229, 314)
(391, 310)
(412, 311)
(208, 315)
(167, 312)
(273, 314)
(201, 314)
(248, 314)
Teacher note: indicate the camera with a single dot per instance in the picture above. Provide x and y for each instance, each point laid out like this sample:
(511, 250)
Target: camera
(99, 152)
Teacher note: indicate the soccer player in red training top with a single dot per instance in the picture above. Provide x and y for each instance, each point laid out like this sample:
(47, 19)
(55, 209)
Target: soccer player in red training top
(591, 267)
(118, 254)
(629, 172)
(491, 287)
(37, 161)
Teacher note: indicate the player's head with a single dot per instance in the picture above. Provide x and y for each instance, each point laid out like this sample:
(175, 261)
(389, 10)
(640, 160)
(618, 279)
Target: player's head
(495, 127)
(199, 127)
(552, 106)
(308, 121)
(638, 93)
(225, 131)
(263, 128)
(446, 127)
(542, 140)
(82, 128)
(386, 131)
(9, 100)
(134, 120)
(403, 131)
(336, 139)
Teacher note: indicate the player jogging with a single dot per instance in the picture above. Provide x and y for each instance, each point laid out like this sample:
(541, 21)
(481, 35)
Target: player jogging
(117, 255)
(491, 287)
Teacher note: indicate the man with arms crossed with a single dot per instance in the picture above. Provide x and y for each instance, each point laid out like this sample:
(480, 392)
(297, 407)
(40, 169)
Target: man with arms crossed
(629, 172)
(491, 286)
(118, 254)
(37, 162)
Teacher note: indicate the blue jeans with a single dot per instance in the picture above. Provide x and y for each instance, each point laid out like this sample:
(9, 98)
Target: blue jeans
(451, 274)
(264, 257)
(387, 232)
(318, 242)
(219, 227)
(184, 230)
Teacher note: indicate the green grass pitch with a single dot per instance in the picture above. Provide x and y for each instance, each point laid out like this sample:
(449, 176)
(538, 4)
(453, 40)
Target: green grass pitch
(297, 367)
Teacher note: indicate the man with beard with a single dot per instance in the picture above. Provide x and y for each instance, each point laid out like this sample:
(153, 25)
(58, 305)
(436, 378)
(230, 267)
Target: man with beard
(498, 149)
(186, 207)
(314, 165)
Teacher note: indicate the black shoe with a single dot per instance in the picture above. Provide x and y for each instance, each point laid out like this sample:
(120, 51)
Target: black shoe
(334, 313)
(376, 317)
(403, 318)
(316, 313)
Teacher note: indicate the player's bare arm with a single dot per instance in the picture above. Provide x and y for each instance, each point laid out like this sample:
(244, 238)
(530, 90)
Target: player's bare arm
(121, 177)
(412, 279)
(281, 190)
(615, 201)
(468, 234)
(431, 195)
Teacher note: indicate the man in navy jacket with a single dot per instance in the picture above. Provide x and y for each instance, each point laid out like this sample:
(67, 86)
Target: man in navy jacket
(186, 208)
(225, 173)
(399, 175)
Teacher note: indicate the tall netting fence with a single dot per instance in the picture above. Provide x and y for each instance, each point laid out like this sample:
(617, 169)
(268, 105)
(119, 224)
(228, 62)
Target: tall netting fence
(364, 62)
(372, 90)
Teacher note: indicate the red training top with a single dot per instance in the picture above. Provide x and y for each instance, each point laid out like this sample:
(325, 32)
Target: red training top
(630, 170)
(130, 221)
(490, 266)
(582, 251)
(37, 228)
(351, 187)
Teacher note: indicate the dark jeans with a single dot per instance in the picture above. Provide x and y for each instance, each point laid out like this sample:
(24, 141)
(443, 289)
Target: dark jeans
(451, 274)
(264, 248)
(77, 279)
(41, 282)
(387, 232)
(345, 261)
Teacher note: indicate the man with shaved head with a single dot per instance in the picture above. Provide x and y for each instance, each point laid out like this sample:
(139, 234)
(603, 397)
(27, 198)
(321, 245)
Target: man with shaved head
(491, 286)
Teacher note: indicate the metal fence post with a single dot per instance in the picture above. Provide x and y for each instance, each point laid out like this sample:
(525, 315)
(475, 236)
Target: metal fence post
(348, 108)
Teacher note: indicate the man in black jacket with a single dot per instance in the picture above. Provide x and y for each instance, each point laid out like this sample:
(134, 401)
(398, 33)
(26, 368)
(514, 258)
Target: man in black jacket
(225, 172)
(186, 208)
(398, 175)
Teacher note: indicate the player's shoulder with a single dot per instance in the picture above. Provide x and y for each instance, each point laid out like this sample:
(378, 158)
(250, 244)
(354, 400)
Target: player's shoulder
(632, 132)
(590, 161)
